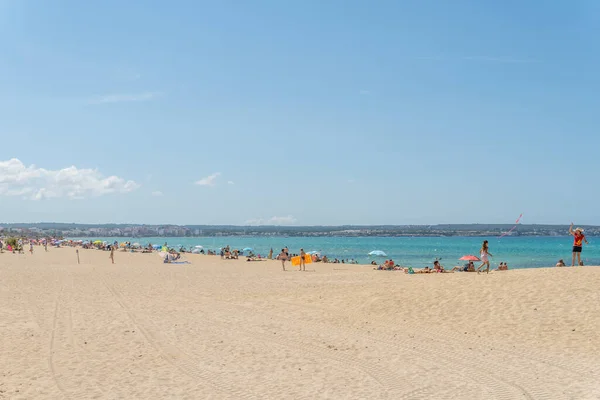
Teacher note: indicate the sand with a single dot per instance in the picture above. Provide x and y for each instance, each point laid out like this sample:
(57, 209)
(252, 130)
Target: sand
(141, 329)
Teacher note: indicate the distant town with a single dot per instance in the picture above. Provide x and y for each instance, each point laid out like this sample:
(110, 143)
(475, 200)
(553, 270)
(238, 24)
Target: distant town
(134, 231)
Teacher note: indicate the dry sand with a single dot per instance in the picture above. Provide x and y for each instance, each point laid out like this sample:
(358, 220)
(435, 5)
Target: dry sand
(141, 329)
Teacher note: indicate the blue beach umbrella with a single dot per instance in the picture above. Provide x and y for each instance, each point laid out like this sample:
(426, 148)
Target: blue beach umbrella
(247, 249)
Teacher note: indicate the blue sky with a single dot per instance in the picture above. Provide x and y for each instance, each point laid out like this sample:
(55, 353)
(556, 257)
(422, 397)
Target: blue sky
(304, 112)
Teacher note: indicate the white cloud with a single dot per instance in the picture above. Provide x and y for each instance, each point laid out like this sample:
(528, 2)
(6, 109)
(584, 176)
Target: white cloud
(230, 182)
(209, 180)
(157, 193)
(38, 183)
(120, 98)
(288, 220)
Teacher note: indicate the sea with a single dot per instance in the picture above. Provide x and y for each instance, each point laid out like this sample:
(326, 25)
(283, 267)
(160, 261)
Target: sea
(517, 252)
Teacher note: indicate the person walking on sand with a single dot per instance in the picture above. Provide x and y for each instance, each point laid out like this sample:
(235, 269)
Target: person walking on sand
(112, 254)
(485, 254)
(302, 265)
(31, 247)
(283, 257)
(578, 239)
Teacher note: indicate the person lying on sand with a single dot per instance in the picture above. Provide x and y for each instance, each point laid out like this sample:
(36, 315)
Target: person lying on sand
(561, 263)
(469, 267)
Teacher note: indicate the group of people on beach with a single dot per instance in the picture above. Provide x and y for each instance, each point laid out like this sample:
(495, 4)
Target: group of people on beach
(484, 256)
(17, 246)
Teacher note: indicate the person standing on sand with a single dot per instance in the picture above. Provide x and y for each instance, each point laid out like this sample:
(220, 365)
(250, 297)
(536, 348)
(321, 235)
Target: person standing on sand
(485, 254)
(112, 254)
(302, 265)
(31, 247)
(270, 254)
(283, 257)
(578, 239)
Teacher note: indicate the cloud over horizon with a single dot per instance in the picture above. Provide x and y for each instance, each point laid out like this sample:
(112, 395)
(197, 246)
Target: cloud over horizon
(287, 220)
(209, 180)
(35, 183)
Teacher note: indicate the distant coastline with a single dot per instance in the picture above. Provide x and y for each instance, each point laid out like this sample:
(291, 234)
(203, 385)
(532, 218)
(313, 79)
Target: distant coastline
(137, 230)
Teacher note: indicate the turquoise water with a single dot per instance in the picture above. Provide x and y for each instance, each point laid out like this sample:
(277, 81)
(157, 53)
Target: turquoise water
(518, 252)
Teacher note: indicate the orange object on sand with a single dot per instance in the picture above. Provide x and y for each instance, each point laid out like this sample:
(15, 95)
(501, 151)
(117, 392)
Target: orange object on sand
(296, 260)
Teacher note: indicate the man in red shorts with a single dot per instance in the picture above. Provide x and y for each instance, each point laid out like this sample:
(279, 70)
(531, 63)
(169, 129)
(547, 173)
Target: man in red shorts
(578, 239)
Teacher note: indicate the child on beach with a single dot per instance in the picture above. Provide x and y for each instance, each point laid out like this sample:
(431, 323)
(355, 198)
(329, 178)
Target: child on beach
(112, 254)
(485, 254)
(31, 247)
(578, 239)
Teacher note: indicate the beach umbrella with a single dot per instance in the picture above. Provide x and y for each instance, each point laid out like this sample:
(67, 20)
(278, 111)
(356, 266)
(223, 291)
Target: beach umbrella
(247, 249)
(98, 242)
(377, 253)
(469, 257)
(156, 246)
(136, 245)
(196, 251)
(316, 253)
(198, 247)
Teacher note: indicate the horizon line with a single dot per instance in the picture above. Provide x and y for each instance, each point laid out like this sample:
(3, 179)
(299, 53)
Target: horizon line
(286, 226)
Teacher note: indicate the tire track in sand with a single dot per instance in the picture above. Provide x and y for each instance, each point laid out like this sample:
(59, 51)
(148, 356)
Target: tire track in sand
(344, 362)
(395, 384)
(178, 358)
(465, 356)
(503, 389)
(52, 347)
(436, 353)
(440, 335)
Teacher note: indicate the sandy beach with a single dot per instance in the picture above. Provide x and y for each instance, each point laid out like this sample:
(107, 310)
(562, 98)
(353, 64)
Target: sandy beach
(229, 329)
